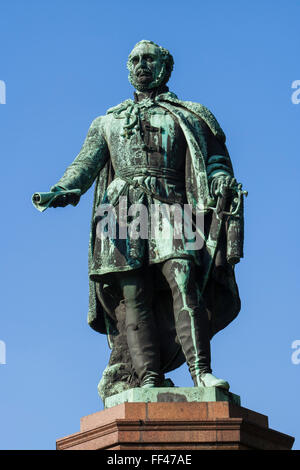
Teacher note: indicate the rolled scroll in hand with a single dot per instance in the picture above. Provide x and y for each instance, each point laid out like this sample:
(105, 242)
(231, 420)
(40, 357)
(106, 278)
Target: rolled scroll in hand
(42, 201)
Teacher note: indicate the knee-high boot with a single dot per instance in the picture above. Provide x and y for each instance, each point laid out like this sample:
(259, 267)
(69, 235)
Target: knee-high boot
(191, 320)
(193, 333)
(141, 331)
(144, 350)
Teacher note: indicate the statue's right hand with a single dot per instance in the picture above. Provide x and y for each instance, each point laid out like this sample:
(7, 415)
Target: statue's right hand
(61, 200)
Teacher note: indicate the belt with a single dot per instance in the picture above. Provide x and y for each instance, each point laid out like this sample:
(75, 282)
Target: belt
(161, 172)
(127, 173)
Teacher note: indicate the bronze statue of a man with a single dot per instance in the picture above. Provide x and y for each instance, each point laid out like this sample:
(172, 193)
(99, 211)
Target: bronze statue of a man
(158, 151)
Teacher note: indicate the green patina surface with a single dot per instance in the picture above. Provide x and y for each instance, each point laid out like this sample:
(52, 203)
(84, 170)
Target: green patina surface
(122, 162)
(174, 394)
(108, 144)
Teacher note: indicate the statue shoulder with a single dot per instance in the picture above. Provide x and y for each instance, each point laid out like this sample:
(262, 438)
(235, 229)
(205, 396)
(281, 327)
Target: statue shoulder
(120, 107)
(198, 110)
(97, 121)
(204, 113)
(197, 107)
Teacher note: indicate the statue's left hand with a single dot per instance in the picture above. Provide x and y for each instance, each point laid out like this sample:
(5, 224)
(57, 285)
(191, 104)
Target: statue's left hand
(221, 183)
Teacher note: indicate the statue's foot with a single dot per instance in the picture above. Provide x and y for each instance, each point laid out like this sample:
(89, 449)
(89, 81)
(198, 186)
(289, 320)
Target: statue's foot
(209, 380)
(149, 385)
(152, 380)
(158, 383)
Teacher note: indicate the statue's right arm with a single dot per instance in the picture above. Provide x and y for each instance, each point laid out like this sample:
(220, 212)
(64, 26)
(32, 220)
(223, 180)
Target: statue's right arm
(90, 160)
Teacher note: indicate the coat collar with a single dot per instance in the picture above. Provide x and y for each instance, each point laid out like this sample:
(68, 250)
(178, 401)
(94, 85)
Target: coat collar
(196, 109)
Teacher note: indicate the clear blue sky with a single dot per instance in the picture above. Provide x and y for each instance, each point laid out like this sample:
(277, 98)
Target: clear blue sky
(64, 63)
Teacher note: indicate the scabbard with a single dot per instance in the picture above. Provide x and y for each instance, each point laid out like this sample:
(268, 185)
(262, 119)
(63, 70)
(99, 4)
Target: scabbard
(235, 236)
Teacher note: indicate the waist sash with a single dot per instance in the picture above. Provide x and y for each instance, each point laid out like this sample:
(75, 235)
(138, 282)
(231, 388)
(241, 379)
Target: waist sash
(127, 174)
(159, 172)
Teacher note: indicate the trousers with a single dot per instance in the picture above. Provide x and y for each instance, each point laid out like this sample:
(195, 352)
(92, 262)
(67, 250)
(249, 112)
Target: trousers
(191, 320)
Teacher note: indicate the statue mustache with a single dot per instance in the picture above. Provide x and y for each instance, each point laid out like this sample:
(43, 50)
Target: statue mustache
(143, 70)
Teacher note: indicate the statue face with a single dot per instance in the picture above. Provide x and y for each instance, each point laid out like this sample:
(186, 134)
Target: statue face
(147, 68)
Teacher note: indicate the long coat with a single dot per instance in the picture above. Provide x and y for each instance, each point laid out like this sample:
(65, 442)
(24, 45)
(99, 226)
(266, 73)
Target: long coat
(217, 280)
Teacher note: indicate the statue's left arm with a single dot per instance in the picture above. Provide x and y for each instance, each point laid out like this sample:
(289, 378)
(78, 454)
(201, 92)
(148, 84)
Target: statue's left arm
(222, 183)
(219, 168)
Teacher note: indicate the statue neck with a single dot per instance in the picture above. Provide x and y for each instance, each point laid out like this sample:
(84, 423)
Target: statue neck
(141, 95)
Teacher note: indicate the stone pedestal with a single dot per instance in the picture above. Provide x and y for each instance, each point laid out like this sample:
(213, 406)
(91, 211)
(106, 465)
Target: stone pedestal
(172, 394)
(176, 425)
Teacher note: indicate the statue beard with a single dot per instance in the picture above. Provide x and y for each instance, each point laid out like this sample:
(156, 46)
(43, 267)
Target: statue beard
(160, 79)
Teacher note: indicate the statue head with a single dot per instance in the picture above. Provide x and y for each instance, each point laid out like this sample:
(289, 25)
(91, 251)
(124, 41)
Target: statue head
(149, 65)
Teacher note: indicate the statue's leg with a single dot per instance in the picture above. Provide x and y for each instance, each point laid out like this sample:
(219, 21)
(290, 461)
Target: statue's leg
(191, 320)
(142, 334)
